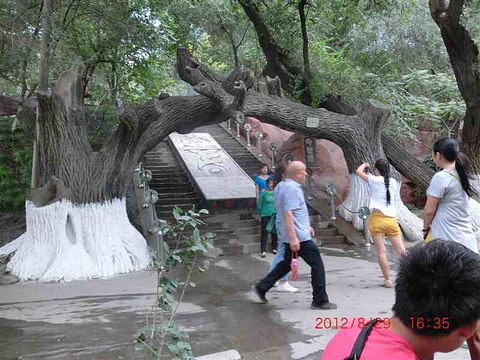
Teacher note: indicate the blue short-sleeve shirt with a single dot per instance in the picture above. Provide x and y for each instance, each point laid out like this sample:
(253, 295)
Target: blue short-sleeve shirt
(290, 198)
(262, 183)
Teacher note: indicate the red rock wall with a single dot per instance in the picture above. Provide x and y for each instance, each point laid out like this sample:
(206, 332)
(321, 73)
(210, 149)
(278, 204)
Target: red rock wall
(330, 162)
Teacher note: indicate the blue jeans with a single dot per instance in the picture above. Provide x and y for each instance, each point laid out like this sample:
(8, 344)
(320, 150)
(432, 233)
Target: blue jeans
(279, 257)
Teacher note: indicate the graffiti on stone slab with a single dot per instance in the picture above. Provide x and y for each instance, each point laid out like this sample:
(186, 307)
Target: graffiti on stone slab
(215, 173)
(210, 154)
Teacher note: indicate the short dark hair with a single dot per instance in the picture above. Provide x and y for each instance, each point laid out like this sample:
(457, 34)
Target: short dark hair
(440, 279)
(280, 170)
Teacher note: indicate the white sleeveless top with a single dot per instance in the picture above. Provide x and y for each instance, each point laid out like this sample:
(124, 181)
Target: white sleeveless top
(378, 195)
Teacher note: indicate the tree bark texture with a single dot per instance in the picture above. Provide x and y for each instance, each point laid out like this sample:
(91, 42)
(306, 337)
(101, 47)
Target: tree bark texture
(42, 86)
(359, 136)
(279, 63)
(465, 60)
(100, 176)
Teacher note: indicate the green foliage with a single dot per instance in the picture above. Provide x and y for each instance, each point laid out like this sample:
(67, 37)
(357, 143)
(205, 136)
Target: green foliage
(336, 74)
(165, 337)
(429, 162)
(401, 37)
(420, 99)
(15, 166)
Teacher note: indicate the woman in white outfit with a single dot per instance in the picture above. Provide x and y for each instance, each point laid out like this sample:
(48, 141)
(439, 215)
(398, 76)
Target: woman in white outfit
(383, 218)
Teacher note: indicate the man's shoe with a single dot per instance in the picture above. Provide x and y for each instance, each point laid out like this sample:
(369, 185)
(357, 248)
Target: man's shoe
(263, 254)
(260, 294)
(286, 287)
(325, 306)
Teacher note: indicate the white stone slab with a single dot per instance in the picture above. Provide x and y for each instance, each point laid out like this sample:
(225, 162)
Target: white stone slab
(224, 355)
(217, 175)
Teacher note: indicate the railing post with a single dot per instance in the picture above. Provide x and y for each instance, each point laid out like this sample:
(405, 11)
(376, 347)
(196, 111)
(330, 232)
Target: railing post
(238, 130)
(273, 150)
(248, 128)
(364, 213)
(155, 225)
(259, 138)
(229, 125)
(331, 191)
(287, 158)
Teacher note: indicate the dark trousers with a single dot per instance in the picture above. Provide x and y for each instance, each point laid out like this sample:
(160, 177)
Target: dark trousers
(308, 252)
(263, 244)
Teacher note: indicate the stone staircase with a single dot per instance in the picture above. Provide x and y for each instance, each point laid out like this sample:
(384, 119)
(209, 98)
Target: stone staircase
(170, 181)
(234, 230)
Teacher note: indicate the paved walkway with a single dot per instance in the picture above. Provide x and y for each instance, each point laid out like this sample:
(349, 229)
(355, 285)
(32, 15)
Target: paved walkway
(99, 319)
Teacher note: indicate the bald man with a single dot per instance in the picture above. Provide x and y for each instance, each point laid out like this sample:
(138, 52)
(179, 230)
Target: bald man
(293, 227)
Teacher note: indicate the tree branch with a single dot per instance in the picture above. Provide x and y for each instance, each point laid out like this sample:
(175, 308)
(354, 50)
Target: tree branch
(274, 86)
(455, 9)
(303, 22)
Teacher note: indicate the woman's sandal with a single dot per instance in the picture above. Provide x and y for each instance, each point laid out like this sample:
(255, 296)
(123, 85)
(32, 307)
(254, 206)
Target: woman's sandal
(388, 283)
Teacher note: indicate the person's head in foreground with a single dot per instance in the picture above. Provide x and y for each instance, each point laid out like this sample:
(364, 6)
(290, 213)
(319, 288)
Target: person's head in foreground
(437, 306)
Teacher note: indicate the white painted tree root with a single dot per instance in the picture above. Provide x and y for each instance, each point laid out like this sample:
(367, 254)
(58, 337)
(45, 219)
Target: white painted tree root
(64, 241)
(359, 196)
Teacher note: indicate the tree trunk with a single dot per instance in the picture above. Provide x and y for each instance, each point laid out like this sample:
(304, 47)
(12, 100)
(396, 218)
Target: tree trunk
(278, 63)
(471, 137)
(77, 225)
(406, 163)
(42, 86)
(464, 57)
(303, 23)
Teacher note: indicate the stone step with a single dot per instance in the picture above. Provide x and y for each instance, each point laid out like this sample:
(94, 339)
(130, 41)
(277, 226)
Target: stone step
(157, 176)
(155, 156)
(165, 167)
(228, 224)
(169, 183)
(228, 217)
(177, 200)
(233, 233)
(177, 189)
(220, 211)
(319, 224)
(248, 239)
(337, 239)
(326, 232)
(185, 195)
(231, 249)
(252, 248)
(247, 162)
(218, 227)
(170, 180)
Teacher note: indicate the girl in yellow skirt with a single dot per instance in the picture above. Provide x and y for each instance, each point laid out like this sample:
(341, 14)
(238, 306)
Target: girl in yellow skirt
(383, 218)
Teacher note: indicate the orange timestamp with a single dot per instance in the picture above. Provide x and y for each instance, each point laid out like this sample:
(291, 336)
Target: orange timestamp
(435, 323)
(327, 323)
